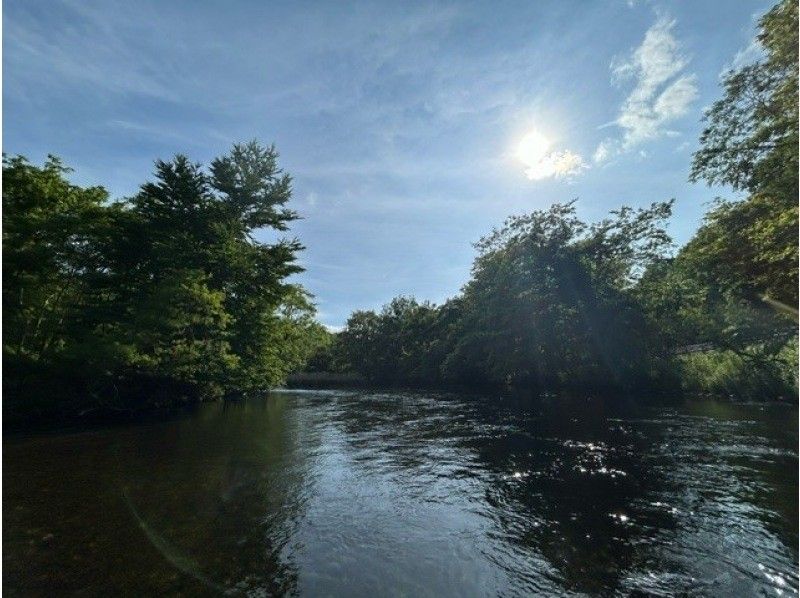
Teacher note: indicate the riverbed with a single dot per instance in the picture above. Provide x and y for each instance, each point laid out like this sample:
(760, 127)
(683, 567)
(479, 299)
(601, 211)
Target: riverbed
(360, 493)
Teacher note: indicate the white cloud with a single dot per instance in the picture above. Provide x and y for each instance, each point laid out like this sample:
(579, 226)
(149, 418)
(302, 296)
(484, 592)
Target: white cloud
(751, 53)
(674, 101)
(662, 90)
(605, 150)
(556, 164)
(682, 147)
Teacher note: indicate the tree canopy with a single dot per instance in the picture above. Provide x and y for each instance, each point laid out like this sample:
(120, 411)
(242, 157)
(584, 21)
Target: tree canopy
(550, 305)
(171, 290)
(170, 285)
(749, 247)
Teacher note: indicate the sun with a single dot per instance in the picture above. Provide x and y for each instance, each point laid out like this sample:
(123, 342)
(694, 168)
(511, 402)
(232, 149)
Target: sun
(533, 148)
(544, 161)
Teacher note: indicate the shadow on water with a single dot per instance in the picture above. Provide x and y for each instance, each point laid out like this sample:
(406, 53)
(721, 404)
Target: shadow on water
(195, 506)
(573, 486)
(580, 499)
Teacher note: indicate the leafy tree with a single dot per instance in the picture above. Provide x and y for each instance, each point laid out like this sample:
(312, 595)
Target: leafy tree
(676, 303)
(166, 291)
(751, 139)
(687, 311)
(48, 226)
(549, 304)
(191, 220)
(295, 335)
(748, 249)
(398, 345)
(751, 144)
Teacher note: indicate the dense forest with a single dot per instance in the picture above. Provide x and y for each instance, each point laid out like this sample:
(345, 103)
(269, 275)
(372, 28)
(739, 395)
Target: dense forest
(167, 296)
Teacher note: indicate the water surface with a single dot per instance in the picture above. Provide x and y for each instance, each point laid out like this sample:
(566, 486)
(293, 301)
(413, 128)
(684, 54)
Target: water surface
(408, 494)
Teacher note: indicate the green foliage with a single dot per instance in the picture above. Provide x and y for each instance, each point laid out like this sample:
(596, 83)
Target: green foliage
(734, 285)
(48, 225)
(550, 305)
(550, 302)
(675, 302)
(169, 286)
(748, 249)
(752, 374)
(179, 331)
(678, 298)
(170, 292)
(327, 355)
(750, 143)
(295, 335)
(752, 134)
(397, 345)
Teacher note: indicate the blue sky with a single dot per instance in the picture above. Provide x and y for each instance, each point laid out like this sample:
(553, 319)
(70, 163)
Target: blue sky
(411, 129)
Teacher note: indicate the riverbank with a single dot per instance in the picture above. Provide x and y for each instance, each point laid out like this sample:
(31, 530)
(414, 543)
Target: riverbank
(29, 402)
(326, 380)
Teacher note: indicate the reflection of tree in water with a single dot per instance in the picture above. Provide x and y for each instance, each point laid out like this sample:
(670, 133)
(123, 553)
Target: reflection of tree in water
(690, 502)
(753, 449)
(226, 490)
(705, 504)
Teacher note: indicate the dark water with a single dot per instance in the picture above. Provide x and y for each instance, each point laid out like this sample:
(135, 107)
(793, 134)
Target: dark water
(358, 494)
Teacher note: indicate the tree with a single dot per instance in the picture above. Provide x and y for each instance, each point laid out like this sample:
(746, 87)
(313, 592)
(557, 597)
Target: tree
(49, 226)
(401, 344)
(168, 292)
(550, 305)
(751, 138)
(751, 144)
(191, 220)
(748, 250)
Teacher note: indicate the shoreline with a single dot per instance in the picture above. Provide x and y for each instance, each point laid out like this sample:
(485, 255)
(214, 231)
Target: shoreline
(100, 418)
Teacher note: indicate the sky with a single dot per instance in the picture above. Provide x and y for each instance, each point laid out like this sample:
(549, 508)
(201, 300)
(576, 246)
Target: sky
(410, 129)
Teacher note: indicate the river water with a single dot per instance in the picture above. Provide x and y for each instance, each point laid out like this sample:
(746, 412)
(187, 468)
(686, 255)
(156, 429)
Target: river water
(334, 493)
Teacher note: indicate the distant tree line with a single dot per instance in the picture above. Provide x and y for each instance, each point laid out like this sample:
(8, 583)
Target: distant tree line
(557, 303)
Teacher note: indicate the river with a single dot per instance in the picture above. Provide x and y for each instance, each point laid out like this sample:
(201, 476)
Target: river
(336, 493)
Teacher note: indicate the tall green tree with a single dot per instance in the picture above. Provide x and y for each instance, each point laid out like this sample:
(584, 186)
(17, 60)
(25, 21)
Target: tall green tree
(197, 220)
(49, 227)
(550, 302)
(170, 291)
(750, 142)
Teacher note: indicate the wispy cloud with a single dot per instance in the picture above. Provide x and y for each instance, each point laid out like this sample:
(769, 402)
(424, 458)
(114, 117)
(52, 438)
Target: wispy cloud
(395, 119)
(751, 53)
(662, 91)
(604, 151)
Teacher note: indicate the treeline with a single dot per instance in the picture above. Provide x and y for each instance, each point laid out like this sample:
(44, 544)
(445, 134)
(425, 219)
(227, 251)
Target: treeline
(161, 298)
(558, 303)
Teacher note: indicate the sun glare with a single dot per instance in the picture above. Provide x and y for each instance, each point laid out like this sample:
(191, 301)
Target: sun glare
(532, 148)
(543, 161)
